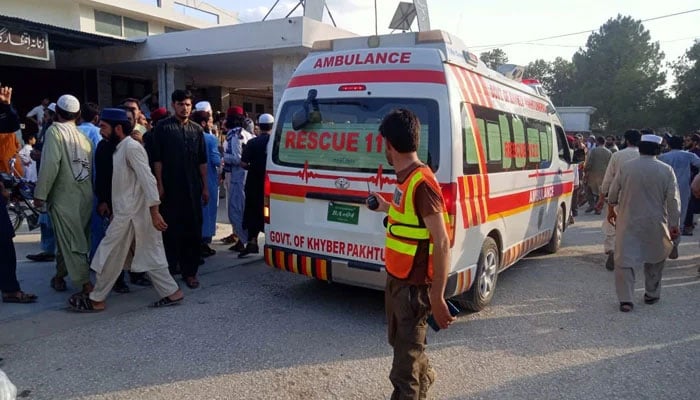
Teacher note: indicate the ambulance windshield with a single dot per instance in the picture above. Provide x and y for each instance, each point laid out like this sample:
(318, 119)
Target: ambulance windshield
(347, 138)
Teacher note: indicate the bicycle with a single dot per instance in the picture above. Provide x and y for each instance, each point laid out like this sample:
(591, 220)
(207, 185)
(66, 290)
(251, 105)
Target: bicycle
(20, 206)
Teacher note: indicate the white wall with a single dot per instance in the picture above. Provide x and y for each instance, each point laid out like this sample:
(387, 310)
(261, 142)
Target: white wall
(79, 14)
(63, 13)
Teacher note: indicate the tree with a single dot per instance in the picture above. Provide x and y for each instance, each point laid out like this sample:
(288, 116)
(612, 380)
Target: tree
(494, 58)
(556, 78)
(687, 89)
(619, 73)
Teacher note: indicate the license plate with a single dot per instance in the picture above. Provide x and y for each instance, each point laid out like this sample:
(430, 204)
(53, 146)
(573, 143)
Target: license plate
(343, 213)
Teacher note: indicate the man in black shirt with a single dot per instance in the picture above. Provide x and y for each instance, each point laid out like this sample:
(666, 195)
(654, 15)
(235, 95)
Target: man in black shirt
(253, 159)
(9, 286)
(180, 166)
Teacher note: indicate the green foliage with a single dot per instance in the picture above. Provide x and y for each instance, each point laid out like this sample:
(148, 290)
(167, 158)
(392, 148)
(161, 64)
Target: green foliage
(687, 89)
(494, 58)
(556, 78)
(619, 73)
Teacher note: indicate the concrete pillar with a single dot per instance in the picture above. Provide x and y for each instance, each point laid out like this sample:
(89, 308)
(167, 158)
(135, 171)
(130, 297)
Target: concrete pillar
(282, 69)
(169, 79)
(219, 98)
(104, 88)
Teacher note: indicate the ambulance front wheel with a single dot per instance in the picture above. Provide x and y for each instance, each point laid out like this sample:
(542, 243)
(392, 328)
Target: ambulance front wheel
(481, 292)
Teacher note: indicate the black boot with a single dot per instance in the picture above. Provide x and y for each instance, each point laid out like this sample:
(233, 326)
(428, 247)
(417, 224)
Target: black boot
(251, 248)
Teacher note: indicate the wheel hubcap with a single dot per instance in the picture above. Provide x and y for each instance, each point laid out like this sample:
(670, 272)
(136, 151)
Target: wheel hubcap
(560, 226)
(488, 275)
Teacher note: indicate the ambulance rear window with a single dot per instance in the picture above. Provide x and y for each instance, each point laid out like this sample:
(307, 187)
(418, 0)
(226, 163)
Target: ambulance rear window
(347, 136)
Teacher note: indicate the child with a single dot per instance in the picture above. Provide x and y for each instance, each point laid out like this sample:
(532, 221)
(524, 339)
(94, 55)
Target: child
(25, 155)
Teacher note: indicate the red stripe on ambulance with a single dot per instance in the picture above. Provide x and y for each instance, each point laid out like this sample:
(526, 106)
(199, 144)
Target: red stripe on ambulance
(380, 76)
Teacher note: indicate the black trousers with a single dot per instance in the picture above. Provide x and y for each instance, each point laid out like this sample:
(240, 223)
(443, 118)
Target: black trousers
(693, 208)
(182, 247)
(8, 266)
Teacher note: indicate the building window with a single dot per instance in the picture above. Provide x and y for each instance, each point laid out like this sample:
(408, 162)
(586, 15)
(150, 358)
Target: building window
(108, 23)
(135, 28)
(190, 11)
(117, 25)
(170, 30)
(154, 3)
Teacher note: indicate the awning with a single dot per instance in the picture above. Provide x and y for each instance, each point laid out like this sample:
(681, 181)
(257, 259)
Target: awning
(62, 38)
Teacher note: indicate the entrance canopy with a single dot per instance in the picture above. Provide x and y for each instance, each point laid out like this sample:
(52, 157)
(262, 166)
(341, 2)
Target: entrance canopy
(243, 56)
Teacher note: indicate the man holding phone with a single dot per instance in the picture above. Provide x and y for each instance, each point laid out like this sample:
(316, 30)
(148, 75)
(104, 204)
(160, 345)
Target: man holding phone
(416, 273)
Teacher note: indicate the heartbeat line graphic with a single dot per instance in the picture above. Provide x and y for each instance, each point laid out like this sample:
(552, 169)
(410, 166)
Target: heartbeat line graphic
(306, 174)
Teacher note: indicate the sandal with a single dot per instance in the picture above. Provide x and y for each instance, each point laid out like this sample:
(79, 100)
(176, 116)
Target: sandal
(82, 304)
(19, 298)
(650, 300)
(166, 302)
(626, 306)
(192, 282)
(58, 284)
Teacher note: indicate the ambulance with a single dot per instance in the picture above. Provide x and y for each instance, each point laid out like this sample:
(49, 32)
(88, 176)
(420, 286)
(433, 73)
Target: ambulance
(494, 142)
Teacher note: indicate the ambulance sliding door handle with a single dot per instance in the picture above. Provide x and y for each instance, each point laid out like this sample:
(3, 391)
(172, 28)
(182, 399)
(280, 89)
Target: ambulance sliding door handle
(336, 197)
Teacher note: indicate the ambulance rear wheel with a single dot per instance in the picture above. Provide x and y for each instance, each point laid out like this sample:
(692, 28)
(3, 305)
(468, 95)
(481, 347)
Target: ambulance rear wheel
(555, 241)
(481, 292)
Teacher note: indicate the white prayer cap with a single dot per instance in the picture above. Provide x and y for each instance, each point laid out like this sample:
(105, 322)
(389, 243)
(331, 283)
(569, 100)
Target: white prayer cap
(203, 106)
(652, 139)
(266, 119)
(52, 107)
(68, 103)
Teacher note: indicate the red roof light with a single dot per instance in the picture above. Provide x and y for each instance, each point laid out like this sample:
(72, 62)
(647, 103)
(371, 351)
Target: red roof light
(352, 88)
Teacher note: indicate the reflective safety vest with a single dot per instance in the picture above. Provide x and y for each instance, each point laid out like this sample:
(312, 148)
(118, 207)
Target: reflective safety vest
(404, 230)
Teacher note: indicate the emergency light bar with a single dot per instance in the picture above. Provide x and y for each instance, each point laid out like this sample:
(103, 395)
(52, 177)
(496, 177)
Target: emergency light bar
(436, 36)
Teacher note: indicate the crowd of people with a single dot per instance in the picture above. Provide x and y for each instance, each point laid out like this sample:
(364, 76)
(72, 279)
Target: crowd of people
(120, 190)
(652, 187)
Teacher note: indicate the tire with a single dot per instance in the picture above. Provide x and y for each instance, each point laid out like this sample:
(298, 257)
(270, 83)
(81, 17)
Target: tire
(16, 217)
(484, 286)
(555, 241)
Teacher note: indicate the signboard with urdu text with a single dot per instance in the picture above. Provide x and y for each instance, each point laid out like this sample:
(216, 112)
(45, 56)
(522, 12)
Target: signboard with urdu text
(24, 43)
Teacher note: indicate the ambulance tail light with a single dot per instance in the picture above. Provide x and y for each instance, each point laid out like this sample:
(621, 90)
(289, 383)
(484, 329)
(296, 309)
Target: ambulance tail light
(449, 194)
(266, 207)
(352, 88)
(436, 36)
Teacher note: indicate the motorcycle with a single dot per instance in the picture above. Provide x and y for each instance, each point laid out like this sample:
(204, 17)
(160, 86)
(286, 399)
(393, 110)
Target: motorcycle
(20, 206)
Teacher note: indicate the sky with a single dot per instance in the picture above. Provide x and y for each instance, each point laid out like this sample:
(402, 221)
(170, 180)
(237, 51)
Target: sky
(482, 24)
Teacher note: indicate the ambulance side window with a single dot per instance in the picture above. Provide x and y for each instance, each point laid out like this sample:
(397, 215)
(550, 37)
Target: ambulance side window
(470, 155)
(519, 142)
(510, 142)
(563, 146)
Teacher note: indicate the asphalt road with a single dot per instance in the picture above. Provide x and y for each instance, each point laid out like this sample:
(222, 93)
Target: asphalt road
(252, 332)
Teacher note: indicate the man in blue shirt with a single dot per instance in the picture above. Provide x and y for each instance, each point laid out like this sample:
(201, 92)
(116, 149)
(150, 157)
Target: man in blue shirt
(90, 116)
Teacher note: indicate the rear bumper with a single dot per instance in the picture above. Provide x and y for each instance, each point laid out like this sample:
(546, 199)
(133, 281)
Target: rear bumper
(328, 269)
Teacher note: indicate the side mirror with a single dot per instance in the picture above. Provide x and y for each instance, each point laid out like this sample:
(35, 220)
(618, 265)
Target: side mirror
(299, 119)
(577, 157)
(310, 112)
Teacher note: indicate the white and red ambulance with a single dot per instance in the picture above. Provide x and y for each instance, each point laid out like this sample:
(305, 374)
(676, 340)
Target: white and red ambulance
(495, 145)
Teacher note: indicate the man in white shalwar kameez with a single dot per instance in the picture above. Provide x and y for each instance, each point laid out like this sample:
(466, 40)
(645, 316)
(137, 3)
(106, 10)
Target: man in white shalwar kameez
(630, 152)
(135, 220)
(649, 219)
